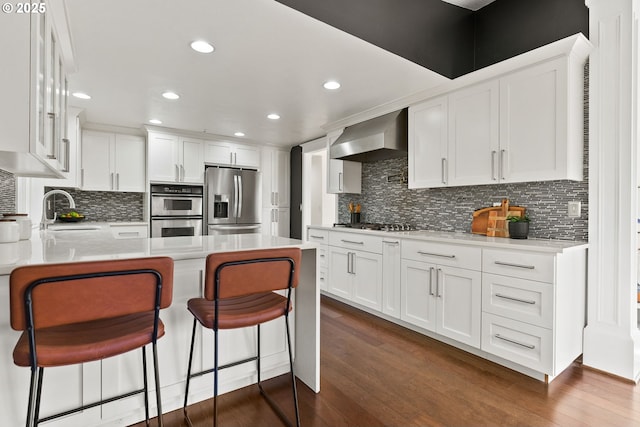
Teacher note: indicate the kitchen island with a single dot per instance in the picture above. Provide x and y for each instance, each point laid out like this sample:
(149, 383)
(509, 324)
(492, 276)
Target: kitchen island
(67, 387)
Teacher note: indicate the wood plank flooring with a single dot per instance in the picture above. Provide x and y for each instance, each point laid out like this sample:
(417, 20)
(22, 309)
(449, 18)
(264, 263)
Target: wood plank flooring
(375, 373)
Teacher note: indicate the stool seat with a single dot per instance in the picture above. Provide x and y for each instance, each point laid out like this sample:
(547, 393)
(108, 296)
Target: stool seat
(88, 341)
(239, 312)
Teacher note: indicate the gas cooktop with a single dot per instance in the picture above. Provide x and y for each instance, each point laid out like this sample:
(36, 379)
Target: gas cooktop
(376, 226)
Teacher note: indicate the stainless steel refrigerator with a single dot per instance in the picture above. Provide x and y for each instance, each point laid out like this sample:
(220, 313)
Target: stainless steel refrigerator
(233, 200)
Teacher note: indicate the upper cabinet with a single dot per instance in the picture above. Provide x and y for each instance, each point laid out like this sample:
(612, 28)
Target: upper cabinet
(231, 154)
(175, 158)
(276, 171)
(33, 138)
(523, 125)
(342, 176)
(112, 162)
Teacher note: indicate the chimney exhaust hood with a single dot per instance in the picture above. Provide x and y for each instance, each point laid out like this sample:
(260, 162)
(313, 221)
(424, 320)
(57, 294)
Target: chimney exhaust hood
(382, 138)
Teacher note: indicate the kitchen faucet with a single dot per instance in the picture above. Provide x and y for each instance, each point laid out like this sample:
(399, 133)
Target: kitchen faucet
(44, 222)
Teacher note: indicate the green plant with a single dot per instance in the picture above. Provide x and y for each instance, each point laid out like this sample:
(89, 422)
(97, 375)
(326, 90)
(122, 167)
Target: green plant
(523, 218)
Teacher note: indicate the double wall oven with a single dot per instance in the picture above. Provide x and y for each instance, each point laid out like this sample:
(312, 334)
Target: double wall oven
(176, 210)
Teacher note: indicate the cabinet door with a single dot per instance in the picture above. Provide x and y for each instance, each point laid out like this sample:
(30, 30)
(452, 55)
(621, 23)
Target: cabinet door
(473, 145)
(391, 277)
(163, 158)
(339, 282)
(97, 161)
(192, 164)
(458, 296)
(281, 175)
(129, 153)
(283, 218)
(218, 152)
(418, 294)
(533, 124)
(428, 144)
(367, 279)
(245, 155)
(344, 177)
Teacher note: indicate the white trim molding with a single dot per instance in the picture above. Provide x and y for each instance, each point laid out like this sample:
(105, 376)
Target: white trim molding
(611, 337)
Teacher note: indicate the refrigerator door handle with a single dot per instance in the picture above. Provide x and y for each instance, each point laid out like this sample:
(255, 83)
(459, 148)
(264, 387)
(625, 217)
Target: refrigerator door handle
(235, 196)
(239, 195)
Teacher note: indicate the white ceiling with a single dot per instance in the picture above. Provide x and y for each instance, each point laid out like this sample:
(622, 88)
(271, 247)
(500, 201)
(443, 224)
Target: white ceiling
(470, 4)
(268, 58)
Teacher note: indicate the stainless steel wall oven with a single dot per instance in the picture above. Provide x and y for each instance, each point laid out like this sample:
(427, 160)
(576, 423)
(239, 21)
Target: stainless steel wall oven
(176, 210)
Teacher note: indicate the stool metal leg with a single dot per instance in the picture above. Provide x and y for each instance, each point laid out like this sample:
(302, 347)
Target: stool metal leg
(146, 386)
(193, 339)
(215, 378)
(157, 379)
(36, 411)
(293, 377)
(33, 388)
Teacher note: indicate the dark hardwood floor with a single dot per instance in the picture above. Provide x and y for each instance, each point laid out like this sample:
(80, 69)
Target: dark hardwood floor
(375, 373)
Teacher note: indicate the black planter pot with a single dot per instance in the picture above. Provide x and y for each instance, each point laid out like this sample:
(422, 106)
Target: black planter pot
(518, 230)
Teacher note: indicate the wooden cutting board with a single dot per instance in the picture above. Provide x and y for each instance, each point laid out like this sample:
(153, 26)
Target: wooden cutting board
(480, 221)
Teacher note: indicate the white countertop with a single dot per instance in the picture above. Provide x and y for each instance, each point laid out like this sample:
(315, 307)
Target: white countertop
(85, 245)
(537, 245)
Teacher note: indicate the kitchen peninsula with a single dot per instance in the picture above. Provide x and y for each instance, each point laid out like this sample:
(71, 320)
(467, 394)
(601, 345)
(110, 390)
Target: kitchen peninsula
(69, 386)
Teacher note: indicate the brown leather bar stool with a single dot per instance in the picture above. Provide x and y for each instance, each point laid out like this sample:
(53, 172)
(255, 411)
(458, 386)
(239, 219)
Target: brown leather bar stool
(239, 293)
(81, 312)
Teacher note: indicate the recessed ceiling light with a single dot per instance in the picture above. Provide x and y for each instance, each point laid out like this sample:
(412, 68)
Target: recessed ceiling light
(331, 85)
(239, 134)
(273, 116)
(202, 46)
(81, 95)
(155, 121)
(171, 95)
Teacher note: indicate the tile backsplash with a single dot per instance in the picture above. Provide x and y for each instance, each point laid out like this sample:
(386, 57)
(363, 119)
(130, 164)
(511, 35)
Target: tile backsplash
(7, 192)
(102, 206)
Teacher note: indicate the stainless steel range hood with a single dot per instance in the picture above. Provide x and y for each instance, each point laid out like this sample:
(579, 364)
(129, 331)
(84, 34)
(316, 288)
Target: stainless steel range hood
(384, 137)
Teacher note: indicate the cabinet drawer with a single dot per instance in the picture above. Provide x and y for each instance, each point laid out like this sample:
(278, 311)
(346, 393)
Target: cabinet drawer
(526, 265)
(442, 254)
(519, 342)
(318, 236)
(357, 241)
(519, 299)
(323, 274)
(321, 252)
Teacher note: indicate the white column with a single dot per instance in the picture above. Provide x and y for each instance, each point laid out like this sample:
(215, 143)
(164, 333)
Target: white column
(611, 338)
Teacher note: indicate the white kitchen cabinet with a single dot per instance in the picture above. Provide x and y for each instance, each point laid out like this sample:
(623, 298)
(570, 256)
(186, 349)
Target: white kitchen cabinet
(232, 154)
(521, 126)
(428, 142)
(473, 146)
(275, 222)
(342, 176)
(173, 158)
(533, 307)
(541, 122)
(112, 162)
(391, 269)
(276, 182)
(33, 140)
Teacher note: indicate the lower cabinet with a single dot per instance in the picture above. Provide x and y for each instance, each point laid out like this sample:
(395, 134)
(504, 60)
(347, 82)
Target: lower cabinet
(275, 222)
(356, 276)
(442, 299)
(391, 277)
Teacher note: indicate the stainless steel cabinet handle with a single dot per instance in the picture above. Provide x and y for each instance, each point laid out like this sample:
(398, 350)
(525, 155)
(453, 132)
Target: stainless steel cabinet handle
(272, 198)
(493, 165)
(52, 155)
(353, 262)
(128, 233)
(66, 160)
(277, 198)
(182, 173)
(113, 185)
(230, 158)
(82, 177)
(443, 166)
(316, 237)
(508, 264)
(525, 301)
(439, 281)
(117, 181)
(502, 168)
(391, 242)
(431, 281)
(340, 181)
(529, 346)
(352, 242)
(177, 173)
(348, 262)
(434, 254)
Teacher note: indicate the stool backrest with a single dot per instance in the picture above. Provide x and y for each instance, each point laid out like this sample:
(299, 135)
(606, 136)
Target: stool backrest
(256, 271)
(78, 292)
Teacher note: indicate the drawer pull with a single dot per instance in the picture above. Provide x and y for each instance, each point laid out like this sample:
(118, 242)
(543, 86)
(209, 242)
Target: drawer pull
(440, 255)
(508, 264)
(352, 242)
(529, 346)
(391, 242)
(316, 237)
(525, 301)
